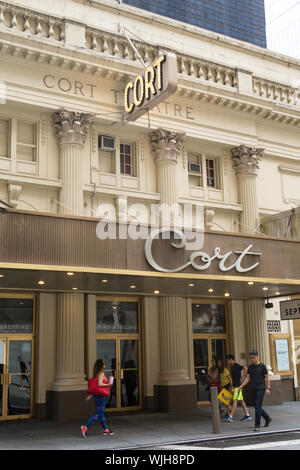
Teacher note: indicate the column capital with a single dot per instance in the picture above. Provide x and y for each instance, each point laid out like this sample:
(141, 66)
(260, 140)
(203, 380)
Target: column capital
(166, 145)
(246, 159)
(71, 127)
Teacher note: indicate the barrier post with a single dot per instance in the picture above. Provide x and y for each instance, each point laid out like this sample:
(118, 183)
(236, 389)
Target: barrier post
(215, 410)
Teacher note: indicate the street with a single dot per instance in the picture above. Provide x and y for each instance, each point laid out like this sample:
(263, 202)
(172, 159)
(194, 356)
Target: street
(284, 441)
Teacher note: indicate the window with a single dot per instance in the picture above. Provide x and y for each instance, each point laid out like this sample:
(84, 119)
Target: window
(4, 128)
(26, 141)
(121, 161)
(127, 162)
(211, 173)
(195, 169)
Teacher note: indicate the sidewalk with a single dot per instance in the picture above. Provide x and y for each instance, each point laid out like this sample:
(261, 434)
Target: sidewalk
(138, 429)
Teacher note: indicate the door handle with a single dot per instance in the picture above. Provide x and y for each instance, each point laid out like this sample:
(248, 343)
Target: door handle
(122, 374)
(1, 379)
(9, 379)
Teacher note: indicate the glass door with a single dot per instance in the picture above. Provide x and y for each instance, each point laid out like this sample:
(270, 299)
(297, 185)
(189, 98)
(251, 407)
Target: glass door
(119, 345)
(129, 373)
(16, 378)
(121, 357)
(3, 349)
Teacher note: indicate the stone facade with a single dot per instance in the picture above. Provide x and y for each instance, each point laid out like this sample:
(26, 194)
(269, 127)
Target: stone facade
(236, 114)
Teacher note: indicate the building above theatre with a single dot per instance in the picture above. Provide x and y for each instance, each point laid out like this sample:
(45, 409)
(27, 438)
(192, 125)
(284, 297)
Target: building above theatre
(240, 19)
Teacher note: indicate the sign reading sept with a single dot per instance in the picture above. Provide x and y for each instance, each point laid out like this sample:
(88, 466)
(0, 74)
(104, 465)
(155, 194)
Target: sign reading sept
(158, 81)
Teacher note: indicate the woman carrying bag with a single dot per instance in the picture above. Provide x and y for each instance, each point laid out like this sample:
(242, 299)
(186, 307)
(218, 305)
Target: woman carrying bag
(98, 388)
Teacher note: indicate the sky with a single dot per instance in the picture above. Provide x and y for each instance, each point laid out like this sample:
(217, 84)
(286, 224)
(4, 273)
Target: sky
(283, 26)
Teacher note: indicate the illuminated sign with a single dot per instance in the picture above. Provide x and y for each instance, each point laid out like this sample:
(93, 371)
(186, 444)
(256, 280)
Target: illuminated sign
(158, 81)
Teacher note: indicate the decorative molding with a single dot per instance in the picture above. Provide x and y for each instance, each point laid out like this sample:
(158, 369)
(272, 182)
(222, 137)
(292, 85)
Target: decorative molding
(43, 129)
(246, 159)
(71, 127)
(290, 170)
(209, 215)
(166, 145)
(14, 192)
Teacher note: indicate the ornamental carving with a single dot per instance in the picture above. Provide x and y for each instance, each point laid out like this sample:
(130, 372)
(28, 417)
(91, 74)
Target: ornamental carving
(246, 159)
(166, 145)
(71, 127)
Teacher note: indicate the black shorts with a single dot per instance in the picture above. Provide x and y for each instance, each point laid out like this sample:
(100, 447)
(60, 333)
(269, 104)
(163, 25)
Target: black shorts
(227, 387)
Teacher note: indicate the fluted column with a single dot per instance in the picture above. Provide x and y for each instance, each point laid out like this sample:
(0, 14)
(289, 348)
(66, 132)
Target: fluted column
(165, 147)
(256, 328)
(69, 373)
(246, 163)
(174, 364)
(71, 130)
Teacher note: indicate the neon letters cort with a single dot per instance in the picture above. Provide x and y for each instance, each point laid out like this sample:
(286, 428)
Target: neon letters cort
(158, 81)
(205, 260)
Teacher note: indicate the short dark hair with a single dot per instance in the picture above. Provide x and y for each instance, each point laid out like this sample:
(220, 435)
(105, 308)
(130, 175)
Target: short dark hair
(230, 356)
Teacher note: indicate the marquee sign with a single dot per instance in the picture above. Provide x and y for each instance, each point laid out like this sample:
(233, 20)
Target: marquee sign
(200, 260)
(158, 81)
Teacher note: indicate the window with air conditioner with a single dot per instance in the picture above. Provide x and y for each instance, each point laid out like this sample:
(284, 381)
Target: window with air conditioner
(107, 154)
(195, 169)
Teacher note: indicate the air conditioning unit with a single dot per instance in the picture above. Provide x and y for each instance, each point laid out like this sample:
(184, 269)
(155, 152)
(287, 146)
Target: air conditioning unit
(195, 168)
(106, 143)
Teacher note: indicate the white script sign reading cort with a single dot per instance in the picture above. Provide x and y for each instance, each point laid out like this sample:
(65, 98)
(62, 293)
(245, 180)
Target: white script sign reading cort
(204, 258)
(158, 81)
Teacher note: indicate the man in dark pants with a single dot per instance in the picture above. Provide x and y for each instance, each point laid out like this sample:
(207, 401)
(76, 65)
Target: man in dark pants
(259, 378)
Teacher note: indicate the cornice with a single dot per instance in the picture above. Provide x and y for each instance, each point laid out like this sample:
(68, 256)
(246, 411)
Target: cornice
(109, 56)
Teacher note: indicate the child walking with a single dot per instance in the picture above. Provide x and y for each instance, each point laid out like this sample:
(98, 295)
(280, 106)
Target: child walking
(100, 400)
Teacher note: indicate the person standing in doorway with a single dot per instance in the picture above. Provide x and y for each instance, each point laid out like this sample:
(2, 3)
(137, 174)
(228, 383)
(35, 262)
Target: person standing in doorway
(259, 379)
(238, 374)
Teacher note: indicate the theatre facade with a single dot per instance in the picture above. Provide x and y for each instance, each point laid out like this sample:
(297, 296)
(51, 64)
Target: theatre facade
(87, 269)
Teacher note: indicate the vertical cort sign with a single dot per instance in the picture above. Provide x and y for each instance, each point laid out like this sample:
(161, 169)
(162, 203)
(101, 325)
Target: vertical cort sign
(158, 81)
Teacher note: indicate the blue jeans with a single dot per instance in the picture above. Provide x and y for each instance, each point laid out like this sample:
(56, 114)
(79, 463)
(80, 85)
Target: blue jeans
(258, 397)
(100, 411)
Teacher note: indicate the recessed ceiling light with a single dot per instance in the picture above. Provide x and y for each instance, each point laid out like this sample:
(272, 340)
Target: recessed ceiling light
(191, 285)
(104, 280)
(156, 292)
(210, 290)
(132, 287)
(74, 288)
(197, 305)
(265, 288)
(1, 275)
(226, 294)
(250, 283)
(277, 293)
(41, 283)
(70, 274)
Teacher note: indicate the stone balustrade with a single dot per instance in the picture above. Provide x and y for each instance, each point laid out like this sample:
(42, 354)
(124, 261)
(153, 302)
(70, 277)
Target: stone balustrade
(31, 23)
(275, 92)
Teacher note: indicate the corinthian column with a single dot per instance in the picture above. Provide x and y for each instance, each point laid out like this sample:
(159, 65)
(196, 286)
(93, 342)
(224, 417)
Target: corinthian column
(166, 147)
(246, 163)
(71, 130)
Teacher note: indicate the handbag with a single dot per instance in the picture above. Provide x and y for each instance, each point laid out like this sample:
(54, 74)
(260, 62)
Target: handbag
(225, 396)
(94, 389)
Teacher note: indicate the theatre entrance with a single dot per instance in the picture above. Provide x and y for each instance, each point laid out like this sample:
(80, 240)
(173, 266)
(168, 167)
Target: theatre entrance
(119, 344)
(16, 357)
(210, 339)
